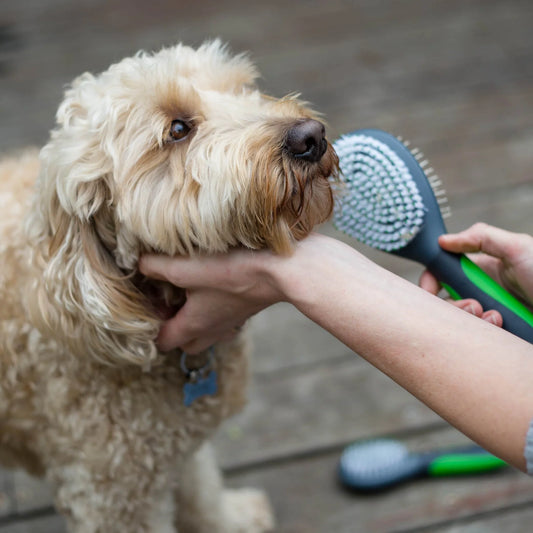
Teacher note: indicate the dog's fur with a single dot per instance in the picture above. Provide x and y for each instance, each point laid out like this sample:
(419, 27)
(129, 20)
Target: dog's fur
(85, 396)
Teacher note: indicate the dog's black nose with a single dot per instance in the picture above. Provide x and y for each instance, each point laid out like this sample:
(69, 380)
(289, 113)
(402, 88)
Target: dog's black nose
(307, 140)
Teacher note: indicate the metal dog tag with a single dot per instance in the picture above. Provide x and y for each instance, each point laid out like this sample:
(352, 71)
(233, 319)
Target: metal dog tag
(200, 382)
(206, 386)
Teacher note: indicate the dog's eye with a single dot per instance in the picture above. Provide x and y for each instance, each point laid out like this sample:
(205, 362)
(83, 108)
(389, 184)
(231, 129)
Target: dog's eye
(178, 130)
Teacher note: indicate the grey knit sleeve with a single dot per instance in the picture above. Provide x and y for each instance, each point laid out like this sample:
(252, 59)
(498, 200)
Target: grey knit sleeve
(528, 451)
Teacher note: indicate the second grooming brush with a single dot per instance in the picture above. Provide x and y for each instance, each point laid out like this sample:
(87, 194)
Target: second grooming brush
(375, 465)
(388, 203)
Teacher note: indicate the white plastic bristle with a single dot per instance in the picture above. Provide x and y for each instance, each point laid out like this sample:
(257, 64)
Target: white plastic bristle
(405, 142)
(381, 205)
(373, 464)
(434, 181)
(446, 212)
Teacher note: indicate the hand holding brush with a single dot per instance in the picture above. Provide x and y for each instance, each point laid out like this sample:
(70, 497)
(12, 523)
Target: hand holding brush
(390, 203)
(507, 258)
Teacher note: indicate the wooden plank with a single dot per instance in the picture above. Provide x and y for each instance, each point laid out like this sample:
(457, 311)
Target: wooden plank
(329, 403)
(354, 79)
(6, 493)
(509, 207)
(474, 142)
(284, 339)
(513, 520)
(307, 498)
(37, 524)
(31, 493)
(22, 495)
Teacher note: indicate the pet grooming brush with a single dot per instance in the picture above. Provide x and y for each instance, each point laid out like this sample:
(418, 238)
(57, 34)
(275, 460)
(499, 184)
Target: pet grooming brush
(379, 464)
(387, 202)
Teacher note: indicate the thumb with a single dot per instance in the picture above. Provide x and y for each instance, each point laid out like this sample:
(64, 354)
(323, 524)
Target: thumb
(162, 267)
(479, 238)
(183, 271)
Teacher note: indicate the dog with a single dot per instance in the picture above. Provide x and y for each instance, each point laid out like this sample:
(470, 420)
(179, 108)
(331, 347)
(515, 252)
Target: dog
(174, 152)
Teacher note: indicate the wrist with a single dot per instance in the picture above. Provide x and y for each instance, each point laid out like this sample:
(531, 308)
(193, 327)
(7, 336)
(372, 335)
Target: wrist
(271, 271)
(300, 277)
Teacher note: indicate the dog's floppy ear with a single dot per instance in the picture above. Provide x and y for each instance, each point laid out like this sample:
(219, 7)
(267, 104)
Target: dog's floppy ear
(79, 295)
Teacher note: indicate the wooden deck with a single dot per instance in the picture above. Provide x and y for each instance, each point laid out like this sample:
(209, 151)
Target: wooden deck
(456, 78)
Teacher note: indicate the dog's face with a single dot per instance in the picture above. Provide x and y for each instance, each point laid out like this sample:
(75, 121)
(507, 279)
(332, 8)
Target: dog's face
(192, 156)
(179, 152)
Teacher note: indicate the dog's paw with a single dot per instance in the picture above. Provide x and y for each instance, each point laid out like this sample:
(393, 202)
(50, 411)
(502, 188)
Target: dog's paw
(247, 511)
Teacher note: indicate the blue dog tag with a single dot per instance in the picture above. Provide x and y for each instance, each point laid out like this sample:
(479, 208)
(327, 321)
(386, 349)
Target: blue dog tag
(200, 381)
(203, 386)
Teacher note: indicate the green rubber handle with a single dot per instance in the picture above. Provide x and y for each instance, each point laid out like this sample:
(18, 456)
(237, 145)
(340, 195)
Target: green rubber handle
(464, 463)
(464, 279)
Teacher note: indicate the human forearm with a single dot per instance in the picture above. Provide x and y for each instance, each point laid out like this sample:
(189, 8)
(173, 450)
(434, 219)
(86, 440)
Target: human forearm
(473, 374)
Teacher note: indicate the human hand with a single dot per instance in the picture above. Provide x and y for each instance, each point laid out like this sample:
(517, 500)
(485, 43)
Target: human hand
(507, 257)
(222, 290)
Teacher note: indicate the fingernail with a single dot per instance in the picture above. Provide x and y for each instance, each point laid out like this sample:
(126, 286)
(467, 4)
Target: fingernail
(493, 320)
(470, 309)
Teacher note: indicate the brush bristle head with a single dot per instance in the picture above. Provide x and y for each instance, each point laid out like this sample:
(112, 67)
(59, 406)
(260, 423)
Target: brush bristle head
(377, 464)
(379, 203)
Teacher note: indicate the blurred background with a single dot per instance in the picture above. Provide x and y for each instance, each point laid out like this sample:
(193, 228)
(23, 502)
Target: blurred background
(456, 78)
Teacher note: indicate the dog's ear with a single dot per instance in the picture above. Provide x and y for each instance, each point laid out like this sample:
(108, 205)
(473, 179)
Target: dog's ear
(79, 294)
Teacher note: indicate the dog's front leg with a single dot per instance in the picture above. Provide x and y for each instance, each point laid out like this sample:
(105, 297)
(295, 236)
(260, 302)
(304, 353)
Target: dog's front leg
(92, 502)
(204, 506)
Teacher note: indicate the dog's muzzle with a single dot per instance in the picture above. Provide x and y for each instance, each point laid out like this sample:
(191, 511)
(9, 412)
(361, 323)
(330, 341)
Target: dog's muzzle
(306, 140)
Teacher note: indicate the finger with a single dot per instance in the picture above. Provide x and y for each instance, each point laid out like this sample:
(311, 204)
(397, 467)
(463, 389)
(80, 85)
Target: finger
(491, 265)
(470, 306)
(172, 334)
(429, 282)
(185, 272)
(493, 317)
(198, 345)
(479, 238)
(157, 266)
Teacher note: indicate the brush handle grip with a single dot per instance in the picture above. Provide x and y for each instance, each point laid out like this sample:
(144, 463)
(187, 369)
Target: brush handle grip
(457, 463)
(464, 279)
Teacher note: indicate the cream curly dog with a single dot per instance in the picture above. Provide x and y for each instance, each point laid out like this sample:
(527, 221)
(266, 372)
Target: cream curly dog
(175, 152)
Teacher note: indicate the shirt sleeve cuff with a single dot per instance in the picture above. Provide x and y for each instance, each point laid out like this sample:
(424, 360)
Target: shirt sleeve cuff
(528, 452)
